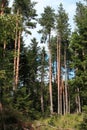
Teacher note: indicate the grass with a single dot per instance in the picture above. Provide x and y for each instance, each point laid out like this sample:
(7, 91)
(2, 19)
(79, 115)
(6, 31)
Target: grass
(67, 122)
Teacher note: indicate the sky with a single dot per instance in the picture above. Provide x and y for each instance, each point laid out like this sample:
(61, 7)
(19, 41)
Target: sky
(69, 6)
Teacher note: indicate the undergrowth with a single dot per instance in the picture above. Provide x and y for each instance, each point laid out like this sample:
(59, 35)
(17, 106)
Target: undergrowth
(57, 122)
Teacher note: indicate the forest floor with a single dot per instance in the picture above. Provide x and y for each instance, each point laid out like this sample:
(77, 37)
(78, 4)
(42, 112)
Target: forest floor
(67, 122)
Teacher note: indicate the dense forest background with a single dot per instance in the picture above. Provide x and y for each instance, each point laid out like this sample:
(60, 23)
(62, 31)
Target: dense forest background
(35, 82)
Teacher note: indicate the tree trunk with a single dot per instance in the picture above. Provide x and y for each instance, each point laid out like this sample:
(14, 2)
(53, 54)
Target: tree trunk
(18, 59)
(16, 55)
(2, 7)
(78, 104)
(66, 90)
(1, 89)
(64, 102)
(50, 78)
(68, 101)
(59, 72)
(1, 13)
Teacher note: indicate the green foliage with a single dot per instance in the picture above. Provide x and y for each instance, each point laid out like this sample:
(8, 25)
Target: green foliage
(10, 118)
(70, 121)
(26, 9)
(83, 124)
(7, 27)
(47, 21)
(23, 103)
(62, 20)
(79, 52)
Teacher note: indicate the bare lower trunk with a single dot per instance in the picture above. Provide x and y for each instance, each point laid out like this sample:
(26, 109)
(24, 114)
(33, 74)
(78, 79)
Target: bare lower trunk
(4, 47)
(18, 59)
(64, 102)
(66, 90)
(0, 107)
(61, 112)
(50, 88)
(78, 104)
(2, 7)
(2, 117)
(69, 102)
(59, 73)
(66, 84)
(1, 13)
(50, 79)
(15, 58)
(16, 55)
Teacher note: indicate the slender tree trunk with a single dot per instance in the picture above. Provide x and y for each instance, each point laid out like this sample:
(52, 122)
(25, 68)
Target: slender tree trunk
(2, 7)
(1, 13)
(76, 98)
(18, 59)
(59, 72)
(16, 55)
(2, 110)
(56, 74)
(4, 48)
(78, 109)
(63, 103)
(66, 90)
(50, 79)
(78, 103)
(69, 102)
(1, 93)
(1, 89)
(61, 112)
(64, 107)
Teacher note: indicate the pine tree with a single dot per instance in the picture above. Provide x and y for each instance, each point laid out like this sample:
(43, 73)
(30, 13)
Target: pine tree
(26, 9)
(47, 22)
(78, 47)
(63, 32)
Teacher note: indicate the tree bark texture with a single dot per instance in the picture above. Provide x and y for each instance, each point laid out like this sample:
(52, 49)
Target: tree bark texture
(59, 73)
(66, 85)
(50, 79)
(16, 55)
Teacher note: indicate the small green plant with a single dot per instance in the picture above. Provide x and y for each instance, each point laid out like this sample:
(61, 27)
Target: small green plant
(51, 121)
